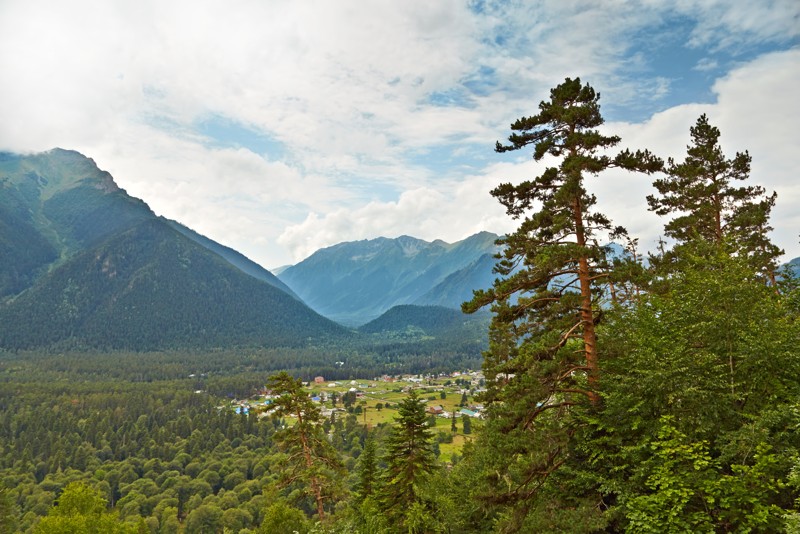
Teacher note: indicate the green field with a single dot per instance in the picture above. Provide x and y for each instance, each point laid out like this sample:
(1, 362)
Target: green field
(376, 402)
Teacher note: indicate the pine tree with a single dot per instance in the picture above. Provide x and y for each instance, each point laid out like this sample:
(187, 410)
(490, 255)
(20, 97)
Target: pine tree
(311, 457)
(543, 357)
(8, 514)
(409, 458)
(467, 424)
(81, 508)
(702, 192)
(552, 264)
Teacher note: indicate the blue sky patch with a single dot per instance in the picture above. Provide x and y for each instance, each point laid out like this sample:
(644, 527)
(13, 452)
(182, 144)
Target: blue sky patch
(227, 133)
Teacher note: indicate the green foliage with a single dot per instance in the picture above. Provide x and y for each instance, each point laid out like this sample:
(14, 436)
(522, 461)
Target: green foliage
(701, 191)
(205, 519)
(678, 473)
(367, 470)
(686, 492)
(694, 354)
(409, 460)
(700, 391)
(542, 363)
(311, 459)
(466, 424)
(81, 510)
(281, 517)
(8, 512)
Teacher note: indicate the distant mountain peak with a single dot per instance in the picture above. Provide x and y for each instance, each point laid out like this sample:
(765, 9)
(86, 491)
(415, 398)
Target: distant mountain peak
(354, 282)
(410, 245)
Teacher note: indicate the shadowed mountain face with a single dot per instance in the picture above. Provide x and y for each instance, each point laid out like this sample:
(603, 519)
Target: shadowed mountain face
(83, 264)
(53, 205)
(355, 282)
(429, 320)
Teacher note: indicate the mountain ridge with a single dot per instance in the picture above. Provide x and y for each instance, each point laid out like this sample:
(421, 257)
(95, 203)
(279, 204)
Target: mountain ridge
(354, 282)
(86, 265)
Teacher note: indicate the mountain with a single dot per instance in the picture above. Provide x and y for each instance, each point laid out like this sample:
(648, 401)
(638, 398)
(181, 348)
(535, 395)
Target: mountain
(84, 265)
(794, 267)
(437, 327)
(458, 286)
(237, 259)
(428, 320)
(52, 205)
(355, 282)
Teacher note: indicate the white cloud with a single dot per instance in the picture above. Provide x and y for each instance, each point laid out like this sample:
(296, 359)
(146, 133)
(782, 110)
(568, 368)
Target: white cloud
(345, 89)
(757, 116)
(451, 212)
(727, 23)
(756, 110)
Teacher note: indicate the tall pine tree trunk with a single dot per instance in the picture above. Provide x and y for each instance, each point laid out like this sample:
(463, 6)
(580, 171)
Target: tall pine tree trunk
(315, 486)
(586, 312)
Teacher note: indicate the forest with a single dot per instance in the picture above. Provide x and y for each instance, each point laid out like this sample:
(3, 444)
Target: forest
(625, 392)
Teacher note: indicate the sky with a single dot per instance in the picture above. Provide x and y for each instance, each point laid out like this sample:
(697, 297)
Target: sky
(281, 127)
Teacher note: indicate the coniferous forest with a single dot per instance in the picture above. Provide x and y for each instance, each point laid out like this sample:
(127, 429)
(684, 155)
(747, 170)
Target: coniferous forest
(625, 390)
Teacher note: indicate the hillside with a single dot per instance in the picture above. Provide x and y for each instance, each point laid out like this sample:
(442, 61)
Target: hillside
(355, 282)
(794, 267)
(233, 257)
(458, 286)
(84, 265)
(52, 205)
(427, 319)
(436, 330)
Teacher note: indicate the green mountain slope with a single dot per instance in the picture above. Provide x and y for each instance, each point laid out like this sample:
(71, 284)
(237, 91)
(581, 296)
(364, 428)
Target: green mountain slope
(458, 286)
(152, 288)
(794, 267)
(52, 205)
(355, 282)
(429, 328)
(84, 265)
(431, 320)
(237, 259)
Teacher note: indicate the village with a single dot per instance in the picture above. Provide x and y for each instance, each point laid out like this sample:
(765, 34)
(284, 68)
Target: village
(449, 398)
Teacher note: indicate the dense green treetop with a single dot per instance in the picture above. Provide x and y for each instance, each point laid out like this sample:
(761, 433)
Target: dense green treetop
(704, 195)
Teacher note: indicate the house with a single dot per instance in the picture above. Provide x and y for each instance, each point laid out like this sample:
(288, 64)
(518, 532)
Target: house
(435, 410)
(469, 413)
(319, 379)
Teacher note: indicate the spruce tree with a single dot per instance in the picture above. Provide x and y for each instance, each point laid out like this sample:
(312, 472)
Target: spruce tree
(409, 458)
(367, 469)
(8, 513)
(710, 207)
